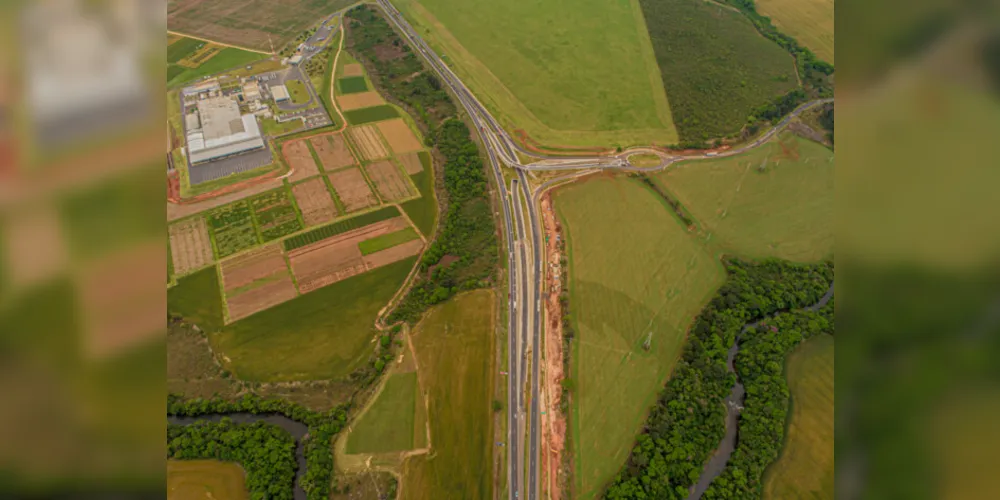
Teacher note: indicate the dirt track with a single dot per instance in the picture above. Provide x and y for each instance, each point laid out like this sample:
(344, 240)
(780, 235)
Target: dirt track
(553, 422)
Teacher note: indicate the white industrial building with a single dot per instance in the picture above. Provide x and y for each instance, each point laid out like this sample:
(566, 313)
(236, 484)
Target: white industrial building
(279, 92)
(217, 130)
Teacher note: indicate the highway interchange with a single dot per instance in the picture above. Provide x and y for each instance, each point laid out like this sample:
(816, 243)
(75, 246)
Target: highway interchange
(523, 238)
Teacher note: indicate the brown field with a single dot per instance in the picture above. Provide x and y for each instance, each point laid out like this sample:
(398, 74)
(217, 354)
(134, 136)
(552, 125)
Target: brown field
(338, 258)
(300, 159)
(190, 246)
(389, 181)
(393, 254)
(258, 264)
(261, 298)
(360, 100)
(315, 202)
(353, 69)
(35, 240)
(352, 189)
(399, 136)
(411, 163)
(366, 139)
(332, 151)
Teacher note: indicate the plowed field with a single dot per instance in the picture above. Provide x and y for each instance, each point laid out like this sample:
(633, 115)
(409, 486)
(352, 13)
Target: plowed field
(255, 281)
(314, 201)
(353, 69)
(389, 181)
(332, 151)
(360, 100)
(399, 136)
(411, 163)
(190, 246)
(261, 298)
(258, 264)
(300, 159)
(352, 189)
(390, 255)
(368, 143)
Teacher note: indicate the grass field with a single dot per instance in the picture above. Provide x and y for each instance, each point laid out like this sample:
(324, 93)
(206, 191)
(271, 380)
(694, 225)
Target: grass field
(390, 240)
(715, 66)
(454, 350)
(352, 84)
(785, 211)
(339, 227)
(808, 21)
(573, 73)
(423, 210)
(372, 114)
(205, 479)
(182, 48)
(273, 127)
(228, 58)
(633, 270)
(297, 91)
(805, 467)
(388, 424)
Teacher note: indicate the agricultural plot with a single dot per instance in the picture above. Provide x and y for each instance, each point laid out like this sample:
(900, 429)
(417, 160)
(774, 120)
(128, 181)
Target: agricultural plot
(182, 49)
(256, 281)
(315, 202)
(368, 143)
(199, 56)
(189, 59)
(190, 245)
(300, 159)
(635, 273)
(205, 480)
(232, 228)
(352, 190)
(338, 257)
(399, 136)
(810, 22)
(332, 151)
(379, 243)
(275, 214)
(360, 100)
(805, 467)
(353, 84)
(389, 181)
(353, 69)
(423, 210)
(343, 226)
(411, 163)
(774, 201)
(715, 66)
(368, 115)
(394, 253)
(389, 424)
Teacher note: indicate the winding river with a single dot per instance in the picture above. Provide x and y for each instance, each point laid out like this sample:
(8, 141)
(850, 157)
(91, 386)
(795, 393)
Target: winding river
(734, 402)
(298, 431)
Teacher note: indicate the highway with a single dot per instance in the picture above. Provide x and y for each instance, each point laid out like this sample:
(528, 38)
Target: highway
(523, 235)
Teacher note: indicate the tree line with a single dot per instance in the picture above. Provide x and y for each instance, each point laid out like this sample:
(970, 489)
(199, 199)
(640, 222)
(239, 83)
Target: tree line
(688, 421)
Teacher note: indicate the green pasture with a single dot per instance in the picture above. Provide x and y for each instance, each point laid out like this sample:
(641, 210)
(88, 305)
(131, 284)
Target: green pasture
(372, 114)
(810, 22)
(343, 226)
(352, 84)
(454, 349)
(568, 72)
(228, 58)
(635, 273)
(423, 210)
(183, 48)
(297, 91)
(805, 467)
(385, 241)
(715, 66)
(388, 424)
(774, 201)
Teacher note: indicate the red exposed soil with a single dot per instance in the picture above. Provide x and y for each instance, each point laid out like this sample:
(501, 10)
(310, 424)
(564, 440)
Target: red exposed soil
(553, 422)
(174, 192)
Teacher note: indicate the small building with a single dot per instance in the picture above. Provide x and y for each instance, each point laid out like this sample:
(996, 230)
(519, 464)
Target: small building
(279, 92)
(251, 91)
(295, 59)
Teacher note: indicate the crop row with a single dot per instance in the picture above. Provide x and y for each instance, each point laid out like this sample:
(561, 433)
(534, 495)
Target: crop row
(343, 226)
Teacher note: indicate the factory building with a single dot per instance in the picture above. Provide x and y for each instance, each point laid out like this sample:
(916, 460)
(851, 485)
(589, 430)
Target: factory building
(217, 130)
(279, 92)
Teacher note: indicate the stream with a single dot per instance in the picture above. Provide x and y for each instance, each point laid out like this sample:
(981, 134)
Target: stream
(734, 403)
(296, 429)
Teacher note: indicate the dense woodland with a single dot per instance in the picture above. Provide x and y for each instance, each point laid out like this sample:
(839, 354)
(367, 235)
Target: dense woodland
(266, 452)
(688, 421)
(463, 255)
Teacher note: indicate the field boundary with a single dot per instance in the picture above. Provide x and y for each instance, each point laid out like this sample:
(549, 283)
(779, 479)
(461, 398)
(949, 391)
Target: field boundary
(224, 44)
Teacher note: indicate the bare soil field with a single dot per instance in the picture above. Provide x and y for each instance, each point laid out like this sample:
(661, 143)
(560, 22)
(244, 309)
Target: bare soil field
(314, 201)
(554, 421)
(190, 246)
(394, 254)
(332, 151)
(352, 189)
(389, 181)
(353, 69)
(176, 211)
(261, 298)
(411, 163)
(360, 100)
(258, 264)
(35, 241)
(337, 258)
(399, 136)
(366, 139)
(300, 159)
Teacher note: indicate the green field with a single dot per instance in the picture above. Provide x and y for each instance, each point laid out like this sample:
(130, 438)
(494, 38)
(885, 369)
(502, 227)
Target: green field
(786, 211)
(227, 59)
(339, 227)
(297, 91)
(805, 467)
(808, 21)
(352, 84)
(372, 114)
(574, 73)
(182, 48)
(272, 127)
(715, 66)
(388, 424)
(275, 214)
(454, 347)
(634, 269)
(205, 479)
(385, 241)
(232, 229)
(423, 210)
